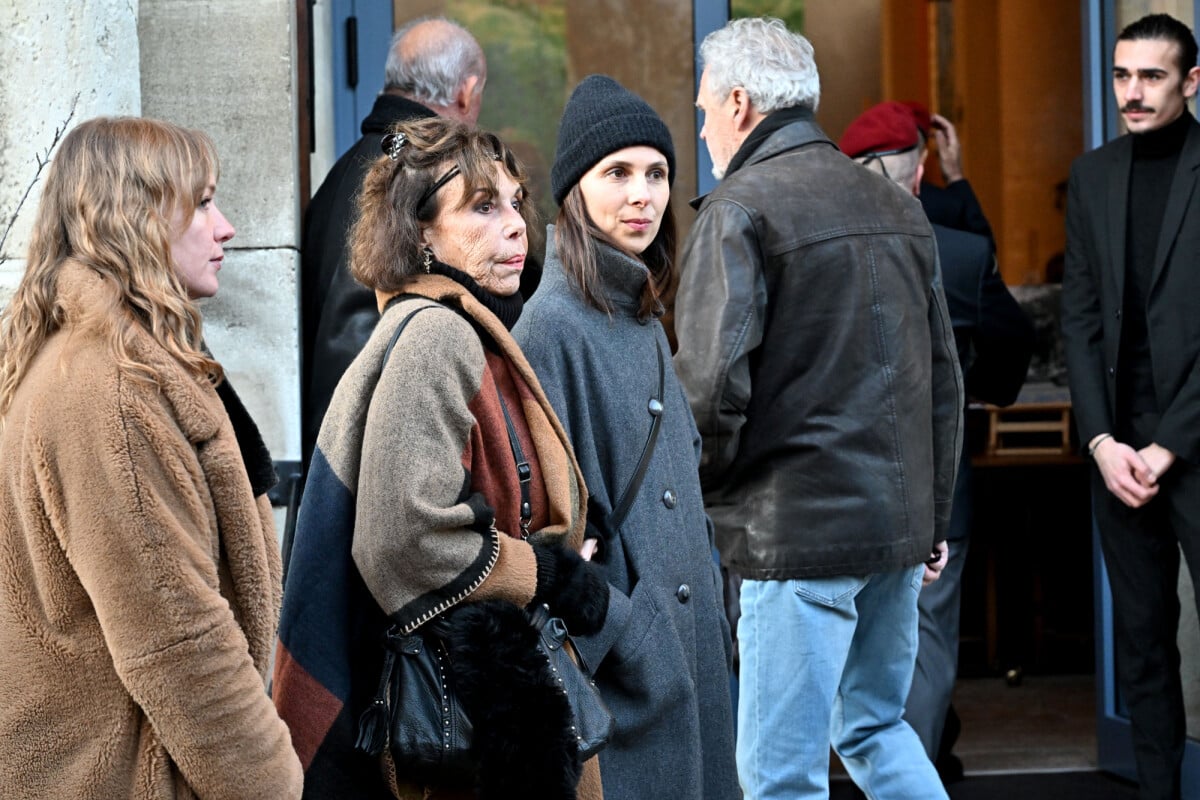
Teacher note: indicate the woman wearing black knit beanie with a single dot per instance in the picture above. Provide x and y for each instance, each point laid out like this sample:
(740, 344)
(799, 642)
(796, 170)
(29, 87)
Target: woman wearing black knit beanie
(592, 335)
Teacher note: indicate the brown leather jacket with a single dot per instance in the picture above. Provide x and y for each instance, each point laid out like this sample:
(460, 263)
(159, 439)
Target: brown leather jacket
(817, 353)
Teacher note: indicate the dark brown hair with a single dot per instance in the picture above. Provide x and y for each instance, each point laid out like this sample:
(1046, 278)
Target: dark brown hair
(1165, 28)
(575, 236)
(385, 244)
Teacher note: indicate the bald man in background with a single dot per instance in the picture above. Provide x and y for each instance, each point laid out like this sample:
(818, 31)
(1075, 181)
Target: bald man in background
(434, 68)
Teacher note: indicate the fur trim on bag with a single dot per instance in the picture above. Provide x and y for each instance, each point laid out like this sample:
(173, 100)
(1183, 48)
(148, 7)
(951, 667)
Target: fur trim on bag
(522, 722)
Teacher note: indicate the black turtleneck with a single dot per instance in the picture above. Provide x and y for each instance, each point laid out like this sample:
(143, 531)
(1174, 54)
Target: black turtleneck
(506, 309)
(1155, 157)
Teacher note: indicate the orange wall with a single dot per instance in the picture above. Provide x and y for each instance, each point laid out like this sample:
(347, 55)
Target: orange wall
(978, 114)
(1017, 107)
(850, 72)
(906, 54)
(1041, 127)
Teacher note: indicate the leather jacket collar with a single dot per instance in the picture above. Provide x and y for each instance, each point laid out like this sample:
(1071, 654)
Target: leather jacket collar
(799, 133)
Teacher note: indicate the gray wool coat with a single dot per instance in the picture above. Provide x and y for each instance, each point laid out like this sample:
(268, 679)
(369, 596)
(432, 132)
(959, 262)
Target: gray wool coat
(662, 661)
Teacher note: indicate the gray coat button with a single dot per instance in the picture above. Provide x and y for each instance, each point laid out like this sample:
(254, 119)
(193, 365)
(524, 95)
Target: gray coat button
(669, 499)
(683, 593)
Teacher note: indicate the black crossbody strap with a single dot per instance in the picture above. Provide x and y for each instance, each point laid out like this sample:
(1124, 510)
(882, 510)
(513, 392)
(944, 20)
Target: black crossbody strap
(396, 334)
(399, 329)
(655, 407)
(524, 473)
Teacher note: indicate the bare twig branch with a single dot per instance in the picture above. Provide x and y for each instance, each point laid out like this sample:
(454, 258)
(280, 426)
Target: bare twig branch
(42, 160)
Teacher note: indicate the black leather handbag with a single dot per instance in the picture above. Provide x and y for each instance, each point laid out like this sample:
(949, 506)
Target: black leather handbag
(416, 721)
(417, 724)
(594, 723)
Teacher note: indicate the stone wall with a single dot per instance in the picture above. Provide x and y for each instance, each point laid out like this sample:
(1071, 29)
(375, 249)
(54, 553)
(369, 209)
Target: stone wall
(224, 66)
(58, 62)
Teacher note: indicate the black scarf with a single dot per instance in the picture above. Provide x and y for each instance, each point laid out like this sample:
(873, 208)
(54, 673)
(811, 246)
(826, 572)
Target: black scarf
(506, 309)
(259, 466)
(769, 124)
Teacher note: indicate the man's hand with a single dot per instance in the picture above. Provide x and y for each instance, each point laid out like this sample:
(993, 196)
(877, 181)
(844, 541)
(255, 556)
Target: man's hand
(1126, 473)
(948, 148)
(933, 570)
(1159, 459)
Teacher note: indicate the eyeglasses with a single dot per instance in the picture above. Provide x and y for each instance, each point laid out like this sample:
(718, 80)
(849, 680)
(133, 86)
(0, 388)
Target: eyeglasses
(879, 154)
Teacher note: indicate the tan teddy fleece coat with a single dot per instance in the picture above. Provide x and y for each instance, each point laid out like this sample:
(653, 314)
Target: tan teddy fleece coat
(139, 583)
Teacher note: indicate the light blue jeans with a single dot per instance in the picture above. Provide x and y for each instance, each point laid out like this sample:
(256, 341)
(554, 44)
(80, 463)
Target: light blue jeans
(829, 661)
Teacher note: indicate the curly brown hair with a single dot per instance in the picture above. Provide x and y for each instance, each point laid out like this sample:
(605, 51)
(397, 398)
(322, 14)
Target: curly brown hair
(395, 201)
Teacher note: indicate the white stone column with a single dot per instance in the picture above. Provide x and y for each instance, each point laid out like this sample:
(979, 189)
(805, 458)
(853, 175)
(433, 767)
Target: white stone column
(224, 66)
(227, 67)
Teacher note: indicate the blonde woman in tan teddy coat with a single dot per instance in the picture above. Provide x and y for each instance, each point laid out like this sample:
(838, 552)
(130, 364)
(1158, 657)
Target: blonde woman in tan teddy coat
(139, 570)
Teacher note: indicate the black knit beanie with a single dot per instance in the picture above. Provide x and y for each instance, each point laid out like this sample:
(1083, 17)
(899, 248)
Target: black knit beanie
(603, 117)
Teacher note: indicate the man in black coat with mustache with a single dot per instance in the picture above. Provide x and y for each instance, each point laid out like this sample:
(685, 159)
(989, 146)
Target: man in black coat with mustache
(1132, 340)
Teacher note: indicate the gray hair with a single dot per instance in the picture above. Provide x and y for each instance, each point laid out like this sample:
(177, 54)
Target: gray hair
(431, 69)
(774, 65)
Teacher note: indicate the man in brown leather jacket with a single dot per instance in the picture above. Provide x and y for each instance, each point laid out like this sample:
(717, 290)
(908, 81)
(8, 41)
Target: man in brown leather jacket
(818, 357)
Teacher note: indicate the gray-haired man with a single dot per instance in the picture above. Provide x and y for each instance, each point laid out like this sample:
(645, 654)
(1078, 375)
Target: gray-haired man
(817, 354)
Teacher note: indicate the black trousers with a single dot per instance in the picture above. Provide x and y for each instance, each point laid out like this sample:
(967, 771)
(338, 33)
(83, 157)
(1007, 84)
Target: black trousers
(1141, 549)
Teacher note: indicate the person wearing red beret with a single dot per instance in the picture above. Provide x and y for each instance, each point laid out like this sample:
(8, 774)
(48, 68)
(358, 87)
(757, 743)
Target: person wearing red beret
(994, 340)
(953, 205)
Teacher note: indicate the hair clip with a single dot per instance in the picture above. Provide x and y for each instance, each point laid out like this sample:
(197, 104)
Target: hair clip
(392, 144)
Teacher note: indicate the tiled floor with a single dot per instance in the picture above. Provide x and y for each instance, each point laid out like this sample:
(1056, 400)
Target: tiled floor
(1047, 723)
(1044, 724)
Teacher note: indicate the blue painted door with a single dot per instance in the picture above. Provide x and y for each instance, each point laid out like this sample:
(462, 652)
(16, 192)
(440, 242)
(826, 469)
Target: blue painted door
(362, 31)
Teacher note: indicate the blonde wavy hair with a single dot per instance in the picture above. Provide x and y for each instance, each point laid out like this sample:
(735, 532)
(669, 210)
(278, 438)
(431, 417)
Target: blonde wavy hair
(114, 194)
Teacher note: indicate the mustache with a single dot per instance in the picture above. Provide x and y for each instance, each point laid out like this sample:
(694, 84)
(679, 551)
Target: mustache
(1136, 105)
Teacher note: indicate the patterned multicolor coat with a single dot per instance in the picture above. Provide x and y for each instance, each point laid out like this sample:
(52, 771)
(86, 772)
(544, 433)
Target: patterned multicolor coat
(411, 464)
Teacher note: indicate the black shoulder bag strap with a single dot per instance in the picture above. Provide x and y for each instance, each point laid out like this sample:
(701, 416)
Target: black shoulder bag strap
(655, 407)
(399, 330)
(524, 472)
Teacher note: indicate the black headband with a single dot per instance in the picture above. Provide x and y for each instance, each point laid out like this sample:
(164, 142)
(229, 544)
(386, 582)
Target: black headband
(439, 183)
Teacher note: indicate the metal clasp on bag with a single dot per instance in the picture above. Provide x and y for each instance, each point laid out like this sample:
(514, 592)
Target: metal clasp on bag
(525, 476)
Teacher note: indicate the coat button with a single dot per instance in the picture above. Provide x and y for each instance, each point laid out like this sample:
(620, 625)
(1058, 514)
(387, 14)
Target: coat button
(669, 499)
(655, 407)
(1112, 371)
(683, 593)
(1118, 313)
